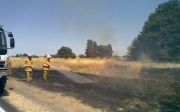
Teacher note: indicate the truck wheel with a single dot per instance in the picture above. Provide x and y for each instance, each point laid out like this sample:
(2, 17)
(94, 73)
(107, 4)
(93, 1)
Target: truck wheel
(2, 84)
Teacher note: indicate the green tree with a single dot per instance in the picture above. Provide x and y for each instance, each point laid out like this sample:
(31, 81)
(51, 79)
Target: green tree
(110, 51)
(105, 51)
(81, 56)
(34, 56)
(92, 49)
(17, 55)
(160, 36)
(95, 50)
(89, 49)
(25, 55)
(65, 52)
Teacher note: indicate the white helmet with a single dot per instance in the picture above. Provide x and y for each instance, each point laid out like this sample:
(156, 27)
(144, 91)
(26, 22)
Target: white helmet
(48, 56)
(29, 55)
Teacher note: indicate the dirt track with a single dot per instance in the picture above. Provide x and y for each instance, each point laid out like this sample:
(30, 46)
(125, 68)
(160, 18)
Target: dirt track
(28, 98)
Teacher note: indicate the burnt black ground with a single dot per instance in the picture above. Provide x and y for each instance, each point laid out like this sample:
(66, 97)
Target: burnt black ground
(111, 94)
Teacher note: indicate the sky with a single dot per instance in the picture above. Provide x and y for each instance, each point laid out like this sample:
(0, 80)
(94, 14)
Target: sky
(42, 27)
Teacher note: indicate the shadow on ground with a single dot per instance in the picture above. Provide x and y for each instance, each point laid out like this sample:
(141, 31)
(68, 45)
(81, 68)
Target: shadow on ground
(5, 93)
(115, 94)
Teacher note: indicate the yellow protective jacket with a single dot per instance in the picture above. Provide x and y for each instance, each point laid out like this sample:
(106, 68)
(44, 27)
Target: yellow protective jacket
(28, 65)
(10, 63)
(10, 67)
(46, 64)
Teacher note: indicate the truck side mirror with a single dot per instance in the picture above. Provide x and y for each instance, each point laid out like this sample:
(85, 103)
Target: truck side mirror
(12, 42)
(10, 34)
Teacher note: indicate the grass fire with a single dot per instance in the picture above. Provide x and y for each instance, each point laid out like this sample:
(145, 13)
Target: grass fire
(118, 85)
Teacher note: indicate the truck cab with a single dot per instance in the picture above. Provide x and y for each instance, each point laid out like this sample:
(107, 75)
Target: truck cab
(4, 63)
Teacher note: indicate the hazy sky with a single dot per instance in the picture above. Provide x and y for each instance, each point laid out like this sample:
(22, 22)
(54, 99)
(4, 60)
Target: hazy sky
(42, 27)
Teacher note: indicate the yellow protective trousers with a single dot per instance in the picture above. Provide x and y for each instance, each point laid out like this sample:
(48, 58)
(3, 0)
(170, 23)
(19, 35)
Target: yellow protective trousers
(10, 70)
(29, 75)
(45, 75)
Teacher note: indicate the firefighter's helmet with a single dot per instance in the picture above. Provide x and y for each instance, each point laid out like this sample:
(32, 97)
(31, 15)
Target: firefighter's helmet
(29, 55)
(48, 56)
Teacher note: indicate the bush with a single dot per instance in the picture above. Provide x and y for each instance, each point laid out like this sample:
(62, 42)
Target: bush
(81, 56)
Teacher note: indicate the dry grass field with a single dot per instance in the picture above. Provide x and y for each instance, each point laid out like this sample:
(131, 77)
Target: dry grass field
(134, 86)
(100, 67)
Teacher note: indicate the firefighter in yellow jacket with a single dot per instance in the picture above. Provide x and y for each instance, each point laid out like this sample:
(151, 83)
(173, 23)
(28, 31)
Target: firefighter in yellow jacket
(46, 67)
(29, 67)
(10, 66)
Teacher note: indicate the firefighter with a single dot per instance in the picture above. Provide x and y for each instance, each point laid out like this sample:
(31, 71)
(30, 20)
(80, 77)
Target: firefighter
(46, 67)
(29, 67)
(10, 66)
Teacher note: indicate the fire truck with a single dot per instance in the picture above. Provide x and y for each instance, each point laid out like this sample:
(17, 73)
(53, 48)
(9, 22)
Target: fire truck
(4, 63)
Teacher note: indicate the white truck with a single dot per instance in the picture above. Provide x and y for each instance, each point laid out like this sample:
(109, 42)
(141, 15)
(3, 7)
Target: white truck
(4, 63)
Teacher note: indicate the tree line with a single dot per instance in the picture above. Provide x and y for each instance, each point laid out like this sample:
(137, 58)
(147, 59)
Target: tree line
(92, 51)
(98, 51)
(25, 55)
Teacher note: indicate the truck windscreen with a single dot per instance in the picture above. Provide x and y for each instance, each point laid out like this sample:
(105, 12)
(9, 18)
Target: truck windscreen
(3, 45)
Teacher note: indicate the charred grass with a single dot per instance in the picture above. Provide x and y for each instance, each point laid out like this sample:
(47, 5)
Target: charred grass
(122, 86)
